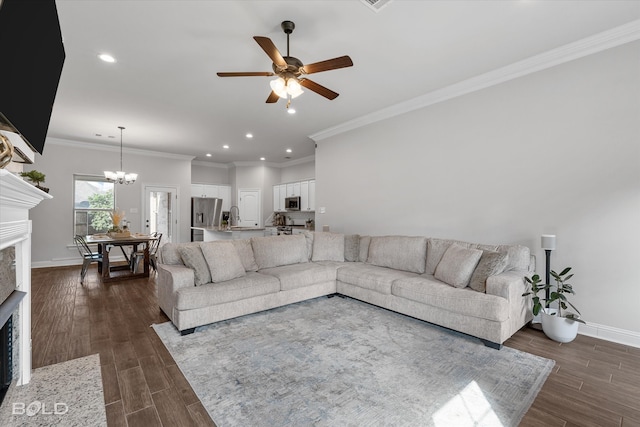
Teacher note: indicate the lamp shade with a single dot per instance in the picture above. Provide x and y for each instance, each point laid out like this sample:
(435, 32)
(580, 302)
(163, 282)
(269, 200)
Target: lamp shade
(548, 241)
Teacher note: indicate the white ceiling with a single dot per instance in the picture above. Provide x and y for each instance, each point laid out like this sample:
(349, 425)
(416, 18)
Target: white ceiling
(164, 89)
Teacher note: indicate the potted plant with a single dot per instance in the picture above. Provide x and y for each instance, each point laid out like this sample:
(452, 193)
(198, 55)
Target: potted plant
(557, 323)
(36, 178)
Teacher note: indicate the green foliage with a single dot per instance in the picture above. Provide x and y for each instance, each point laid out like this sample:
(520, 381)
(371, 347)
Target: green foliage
(33, 176)
(101, 220)
(562, 288)
(534, 284)
(558, 293)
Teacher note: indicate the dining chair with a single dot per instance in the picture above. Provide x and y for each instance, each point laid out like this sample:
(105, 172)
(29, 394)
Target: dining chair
(88, 256)
(153, 250)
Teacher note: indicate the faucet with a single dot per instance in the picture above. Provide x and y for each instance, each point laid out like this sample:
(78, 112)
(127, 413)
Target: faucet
(231, 216)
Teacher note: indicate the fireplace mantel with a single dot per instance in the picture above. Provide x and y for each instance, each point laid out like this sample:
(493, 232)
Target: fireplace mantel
(16, 198)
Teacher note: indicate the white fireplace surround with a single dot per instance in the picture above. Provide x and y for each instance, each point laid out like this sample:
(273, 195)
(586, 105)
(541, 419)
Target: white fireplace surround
(16, 198)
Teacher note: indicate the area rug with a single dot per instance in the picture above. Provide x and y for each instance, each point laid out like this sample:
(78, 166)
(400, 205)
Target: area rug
(66, 394)
(339, 361)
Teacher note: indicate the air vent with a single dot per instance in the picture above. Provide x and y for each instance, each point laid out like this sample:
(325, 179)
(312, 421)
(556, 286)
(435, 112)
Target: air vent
(376, 5)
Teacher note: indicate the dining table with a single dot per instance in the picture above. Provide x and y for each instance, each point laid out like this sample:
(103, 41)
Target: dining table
(106, 242)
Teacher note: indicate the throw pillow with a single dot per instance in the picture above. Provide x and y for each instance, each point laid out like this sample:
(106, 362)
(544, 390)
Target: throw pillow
(519, 257)
(436, 249)
(274, 251)
(491, 263)
(328, 247)
(245, 251)
(457, 265)
(363, 250)
(223, 260)
(398, 252)
(193, 258)
(351, 247)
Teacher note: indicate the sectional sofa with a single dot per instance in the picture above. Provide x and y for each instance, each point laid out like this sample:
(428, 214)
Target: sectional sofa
(472, 288)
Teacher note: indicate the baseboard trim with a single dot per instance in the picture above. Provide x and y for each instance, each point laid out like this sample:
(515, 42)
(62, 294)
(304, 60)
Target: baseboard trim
(66, 262)
(609, 333)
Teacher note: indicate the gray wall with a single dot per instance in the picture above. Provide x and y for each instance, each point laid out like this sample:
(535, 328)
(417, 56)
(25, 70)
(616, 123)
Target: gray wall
(53, 219)
(209, 174)
(553, 152)
(298, 172)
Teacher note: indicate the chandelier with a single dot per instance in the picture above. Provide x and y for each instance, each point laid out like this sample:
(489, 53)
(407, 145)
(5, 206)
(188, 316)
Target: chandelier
(120, 177)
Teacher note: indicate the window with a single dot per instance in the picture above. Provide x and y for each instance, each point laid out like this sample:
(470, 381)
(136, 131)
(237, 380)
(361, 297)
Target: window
(93, 199)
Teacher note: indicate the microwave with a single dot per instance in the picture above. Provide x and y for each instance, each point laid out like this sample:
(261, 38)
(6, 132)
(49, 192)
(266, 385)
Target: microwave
(292, 203)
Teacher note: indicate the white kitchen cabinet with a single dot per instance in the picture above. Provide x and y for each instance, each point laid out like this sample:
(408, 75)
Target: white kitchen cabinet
(224, 192)
(283, 195)
(204, 190)
(304, 196)
(293, 189)
(312, 195)
(276, 198)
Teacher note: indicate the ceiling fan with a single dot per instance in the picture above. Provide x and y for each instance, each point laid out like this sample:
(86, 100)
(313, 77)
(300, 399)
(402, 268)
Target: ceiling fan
(291, 71)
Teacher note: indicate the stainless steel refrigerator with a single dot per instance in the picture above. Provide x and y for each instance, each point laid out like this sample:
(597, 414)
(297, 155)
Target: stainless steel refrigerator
(205, 212)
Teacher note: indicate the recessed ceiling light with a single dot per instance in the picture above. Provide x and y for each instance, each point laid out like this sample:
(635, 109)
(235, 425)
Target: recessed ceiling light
(291, 111)
(289, 150)
(249, 135)
(107, 58)
(262, 158)
(208, 154)
(225, 146)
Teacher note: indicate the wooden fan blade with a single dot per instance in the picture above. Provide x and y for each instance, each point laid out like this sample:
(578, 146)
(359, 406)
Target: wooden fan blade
(271, 50)
(247, 74)
(319, 89)
(329, 64)
(272, 98)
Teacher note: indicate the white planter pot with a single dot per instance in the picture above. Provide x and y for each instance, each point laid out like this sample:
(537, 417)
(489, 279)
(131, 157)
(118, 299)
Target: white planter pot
(557, 328)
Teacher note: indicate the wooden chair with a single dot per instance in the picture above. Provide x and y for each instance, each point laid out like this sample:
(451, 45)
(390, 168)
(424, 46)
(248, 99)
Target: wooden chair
(153, 250)
(88, 256)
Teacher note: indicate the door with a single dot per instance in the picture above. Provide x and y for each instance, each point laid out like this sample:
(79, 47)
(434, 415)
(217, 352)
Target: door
(249, 205)
(160, 205)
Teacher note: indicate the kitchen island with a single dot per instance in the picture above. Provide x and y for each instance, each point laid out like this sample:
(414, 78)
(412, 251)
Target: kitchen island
(235, 233)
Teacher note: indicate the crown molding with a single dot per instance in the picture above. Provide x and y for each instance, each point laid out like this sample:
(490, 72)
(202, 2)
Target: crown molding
(597, 43)
(295, 162)
(210, 164)
(115, 149)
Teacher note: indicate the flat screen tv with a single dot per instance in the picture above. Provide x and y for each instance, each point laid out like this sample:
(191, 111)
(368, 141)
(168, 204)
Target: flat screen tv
(32, 55)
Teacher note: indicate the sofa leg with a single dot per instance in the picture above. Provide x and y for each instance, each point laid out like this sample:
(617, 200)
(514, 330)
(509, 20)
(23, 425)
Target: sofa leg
(187, 331)
(491, 344)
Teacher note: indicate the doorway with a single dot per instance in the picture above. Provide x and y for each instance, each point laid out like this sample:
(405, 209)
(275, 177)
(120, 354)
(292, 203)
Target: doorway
(249, 205)
(160, 205)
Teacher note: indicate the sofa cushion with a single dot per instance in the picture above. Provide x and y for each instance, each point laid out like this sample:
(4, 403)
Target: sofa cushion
(426, 290)
(193, 258)
(273, 251)
(223, 260)
(435, 249)
(211, 294)
(170, 253)
(398, 252)
(457, 265)
(519, 257)
(371, 277)
(490, 264)
(328, 247)
(245, 252)
(351, 247)
(363, 248)
(296, 276)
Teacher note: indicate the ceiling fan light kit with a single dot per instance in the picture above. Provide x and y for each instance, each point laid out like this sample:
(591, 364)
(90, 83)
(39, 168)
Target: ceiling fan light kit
(290, 71)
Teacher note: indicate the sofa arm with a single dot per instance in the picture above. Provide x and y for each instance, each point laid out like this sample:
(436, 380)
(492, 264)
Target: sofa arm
(170, 279)
(509, 285)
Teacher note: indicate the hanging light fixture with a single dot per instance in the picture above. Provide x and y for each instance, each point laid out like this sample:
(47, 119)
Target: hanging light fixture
(120, 177)
(286, 88)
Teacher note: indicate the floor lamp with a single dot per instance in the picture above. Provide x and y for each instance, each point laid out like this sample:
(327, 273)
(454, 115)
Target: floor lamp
(548, 243)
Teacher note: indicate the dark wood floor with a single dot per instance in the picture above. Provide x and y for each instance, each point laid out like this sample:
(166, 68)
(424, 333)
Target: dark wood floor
(594, 382)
